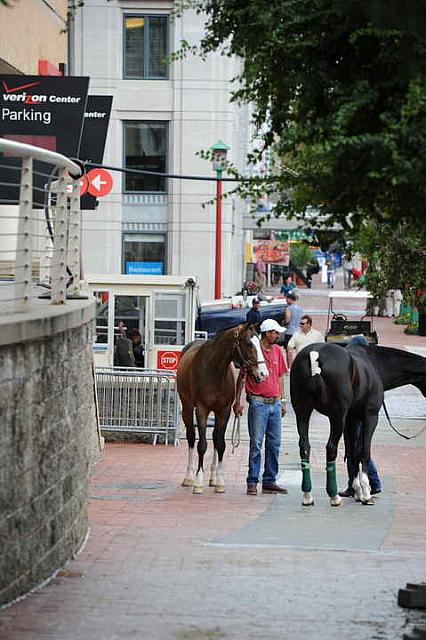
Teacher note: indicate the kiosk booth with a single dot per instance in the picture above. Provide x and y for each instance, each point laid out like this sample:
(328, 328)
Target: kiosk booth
(161, 308)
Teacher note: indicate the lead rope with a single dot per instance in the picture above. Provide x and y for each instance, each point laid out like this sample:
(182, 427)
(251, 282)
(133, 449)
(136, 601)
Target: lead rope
(396, 430)
(236, 433)
(373, 358)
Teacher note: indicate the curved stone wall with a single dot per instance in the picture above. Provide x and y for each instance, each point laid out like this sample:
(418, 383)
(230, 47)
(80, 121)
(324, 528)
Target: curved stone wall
(47, 437)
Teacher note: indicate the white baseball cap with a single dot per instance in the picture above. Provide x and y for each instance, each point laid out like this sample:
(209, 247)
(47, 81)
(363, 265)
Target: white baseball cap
(271, 325)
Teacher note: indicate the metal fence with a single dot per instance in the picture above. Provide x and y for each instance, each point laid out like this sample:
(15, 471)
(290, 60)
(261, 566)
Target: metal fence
(138, 401)
(39, 226)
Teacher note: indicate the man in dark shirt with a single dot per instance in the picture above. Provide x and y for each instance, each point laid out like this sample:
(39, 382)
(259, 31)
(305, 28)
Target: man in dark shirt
(253, 314)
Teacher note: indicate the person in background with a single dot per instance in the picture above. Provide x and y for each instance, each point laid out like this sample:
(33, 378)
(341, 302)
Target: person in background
(292, 316)
(253, 315)
(347, 271)
(393, 303)
(260, 275)
(330, 271)
(267, 405)
(287, 286)
(137, 346)
(123, 352)
(304, 335)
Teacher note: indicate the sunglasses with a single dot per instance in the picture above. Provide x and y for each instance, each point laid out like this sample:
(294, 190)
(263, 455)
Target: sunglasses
(302, 323)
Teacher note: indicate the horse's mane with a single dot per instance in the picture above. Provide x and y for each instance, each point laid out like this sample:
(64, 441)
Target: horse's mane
(392, 351)
(221, 332)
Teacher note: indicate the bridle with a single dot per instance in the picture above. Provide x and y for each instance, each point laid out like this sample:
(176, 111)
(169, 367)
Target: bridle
(243, 362)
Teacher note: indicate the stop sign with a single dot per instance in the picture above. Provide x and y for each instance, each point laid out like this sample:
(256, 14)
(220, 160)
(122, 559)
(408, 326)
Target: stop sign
(168, 360)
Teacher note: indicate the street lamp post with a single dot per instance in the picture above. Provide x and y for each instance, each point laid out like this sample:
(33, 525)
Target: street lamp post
(219, 151)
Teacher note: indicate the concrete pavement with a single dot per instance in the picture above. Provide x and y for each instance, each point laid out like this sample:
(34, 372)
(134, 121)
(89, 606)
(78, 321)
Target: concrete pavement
(163, 563)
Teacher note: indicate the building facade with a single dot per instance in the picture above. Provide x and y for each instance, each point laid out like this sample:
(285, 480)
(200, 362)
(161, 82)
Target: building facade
(32, 31)
(163, 116)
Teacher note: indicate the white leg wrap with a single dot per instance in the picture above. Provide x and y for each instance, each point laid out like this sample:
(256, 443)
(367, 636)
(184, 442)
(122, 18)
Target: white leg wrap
(213, 470)
(220, 484)
(198, 485)
(188, 480)
(365, 488)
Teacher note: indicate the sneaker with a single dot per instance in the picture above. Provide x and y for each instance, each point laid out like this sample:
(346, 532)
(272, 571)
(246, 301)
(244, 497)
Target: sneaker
(273, 488)
(374, 492)
(252, 490)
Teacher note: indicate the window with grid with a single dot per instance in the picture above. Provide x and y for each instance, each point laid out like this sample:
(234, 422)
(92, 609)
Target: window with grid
(146, 47)
(145, 148)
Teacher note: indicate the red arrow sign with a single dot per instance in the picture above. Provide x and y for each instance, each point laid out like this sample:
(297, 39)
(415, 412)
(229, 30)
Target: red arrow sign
(99, 182)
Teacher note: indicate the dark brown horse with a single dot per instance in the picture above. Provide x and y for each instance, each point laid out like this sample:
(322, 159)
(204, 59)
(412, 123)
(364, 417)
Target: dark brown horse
(206, 383)
(347, 385)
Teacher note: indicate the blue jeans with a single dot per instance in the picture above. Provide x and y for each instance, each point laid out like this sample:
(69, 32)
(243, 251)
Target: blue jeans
(264, 423)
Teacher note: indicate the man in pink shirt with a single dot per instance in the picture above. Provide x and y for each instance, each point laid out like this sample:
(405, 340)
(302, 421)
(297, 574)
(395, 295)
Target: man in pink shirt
(266, 407)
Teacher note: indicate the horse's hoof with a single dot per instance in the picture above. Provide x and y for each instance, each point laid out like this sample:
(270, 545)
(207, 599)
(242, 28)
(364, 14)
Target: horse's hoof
(307, 501)
(368, 502)
(335, 501)
(197, 489)
(212, 483)
(220, 488)
(187, 482)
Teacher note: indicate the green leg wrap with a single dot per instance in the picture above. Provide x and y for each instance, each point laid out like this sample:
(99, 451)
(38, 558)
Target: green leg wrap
(306, 476)
(331, 479)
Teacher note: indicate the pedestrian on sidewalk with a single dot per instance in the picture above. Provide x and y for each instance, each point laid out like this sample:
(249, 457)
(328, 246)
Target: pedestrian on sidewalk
(347, 271)
(267, 405)
(303, 336)
(331, 268)
(260, 275)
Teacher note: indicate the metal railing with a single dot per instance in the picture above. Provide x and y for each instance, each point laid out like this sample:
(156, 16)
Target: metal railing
(39, 226)
(138, 401)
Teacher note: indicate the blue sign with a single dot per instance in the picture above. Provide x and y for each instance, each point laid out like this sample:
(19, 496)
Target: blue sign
(145, 268)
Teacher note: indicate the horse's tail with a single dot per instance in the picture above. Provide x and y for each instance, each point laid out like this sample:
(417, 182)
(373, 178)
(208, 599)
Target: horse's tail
(315, 368)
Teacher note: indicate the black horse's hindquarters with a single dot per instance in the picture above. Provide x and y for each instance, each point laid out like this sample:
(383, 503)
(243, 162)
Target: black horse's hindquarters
(348, 391)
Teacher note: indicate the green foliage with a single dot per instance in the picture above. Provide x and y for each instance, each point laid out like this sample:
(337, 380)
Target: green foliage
(300, 254)
(396, 259)
(341, 86)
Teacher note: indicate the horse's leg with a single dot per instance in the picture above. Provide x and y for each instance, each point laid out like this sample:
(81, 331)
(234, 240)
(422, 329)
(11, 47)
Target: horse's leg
(201, 413)
(302, 418)
(188, 419)
(219, 446)
(368, 428)
(213, 467)
(351, 454)
(336, 430)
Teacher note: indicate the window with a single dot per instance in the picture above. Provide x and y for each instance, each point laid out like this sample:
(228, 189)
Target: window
(169, 321)
(144, 253)
(145, 147)
(145, 47)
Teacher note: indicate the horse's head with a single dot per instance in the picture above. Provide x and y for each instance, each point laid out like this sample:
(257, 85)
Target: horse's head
(248, 354)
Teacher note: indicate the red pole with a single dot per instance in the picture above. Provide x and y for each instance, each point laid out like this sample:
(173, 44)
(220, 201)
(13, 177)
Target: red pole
(218, 254)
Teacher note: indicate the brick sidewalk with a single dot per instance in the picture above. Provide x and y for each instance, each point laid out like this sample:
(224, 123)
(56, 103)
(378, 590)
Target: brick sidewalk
(158, 565)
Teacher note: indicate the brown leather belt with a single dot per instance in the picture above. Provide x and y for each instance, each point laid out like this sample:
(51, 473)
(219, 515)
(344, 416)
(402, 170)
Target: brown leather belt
(266, 400)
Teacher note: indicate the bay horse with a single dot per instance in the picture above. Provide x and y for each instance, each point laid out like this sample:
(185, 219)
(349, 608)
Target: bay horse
(347, 385)
(206, 383)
